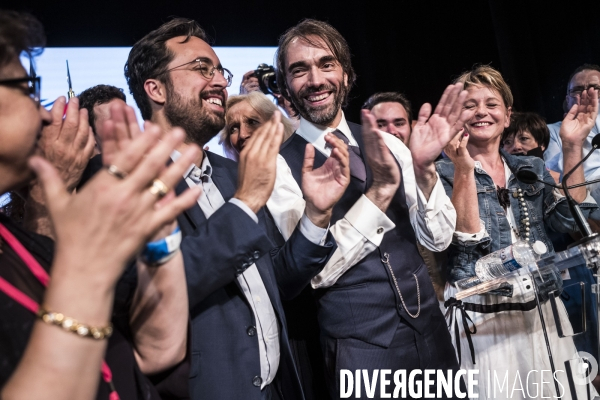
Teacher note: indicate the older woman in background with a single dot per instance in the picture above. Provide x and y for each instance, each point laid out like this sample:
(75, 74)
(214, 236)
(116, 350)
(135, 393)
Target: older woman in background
(245, 114)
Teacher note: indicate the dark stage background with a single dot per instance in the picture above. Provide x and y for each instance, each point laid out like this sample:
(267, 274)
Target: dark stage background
(416, 47)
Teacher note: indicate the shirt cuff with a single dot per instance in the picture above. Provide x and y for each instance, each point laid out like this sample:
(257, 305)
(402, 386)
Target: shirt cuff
(312, 232)
(244, 207)
(369, 220)
(471, 238)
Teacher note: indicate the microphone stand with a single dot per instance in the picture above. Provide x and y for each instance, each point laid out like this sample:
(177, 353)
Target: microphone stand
(585, 230)
(582, 224)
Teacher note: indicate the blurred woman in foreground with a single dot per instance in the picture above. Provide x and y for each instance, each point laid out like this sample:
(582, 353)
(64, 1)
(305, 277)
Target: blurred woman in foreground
(97, 231)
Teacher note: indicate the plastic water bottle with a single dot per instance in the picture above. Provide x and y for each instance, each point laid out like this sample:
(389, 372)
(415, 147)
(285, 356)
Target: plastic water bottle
(504, 261)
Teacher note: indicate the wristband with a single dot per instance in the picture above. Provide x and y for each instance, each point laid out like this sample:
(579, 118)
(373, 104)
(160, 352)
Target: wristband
(161, 251)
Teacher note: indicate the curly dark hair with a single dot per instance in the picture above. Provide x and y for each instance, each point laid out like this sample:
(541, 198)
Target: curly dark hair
(99, 94)
(389, 97)
(333, 40)
(19, 32)
(149, 58)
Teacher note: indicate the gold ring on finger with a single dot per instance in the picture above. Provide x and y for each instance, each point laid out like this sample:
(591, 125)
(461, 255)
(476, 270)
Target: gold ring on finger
(116, 172)
(159, 188)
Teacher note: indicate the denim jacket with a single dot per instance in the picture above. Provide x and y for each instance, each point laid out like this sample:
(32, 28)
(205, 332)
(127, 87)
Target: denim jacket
(543, 208)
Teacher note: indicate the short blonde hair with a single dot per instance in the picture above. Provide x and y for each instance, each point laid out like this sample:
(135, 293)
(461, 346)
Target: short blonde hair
(484, 75)
(264, 107)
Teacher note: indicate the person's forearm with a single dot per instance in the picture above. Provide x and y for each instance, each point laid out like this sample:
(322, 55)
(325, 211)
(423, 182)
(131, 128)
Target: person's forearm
(63, 364)
(426, 178)
(381, 195)
(318, 217)
(159, 315)
(572, 154)
(464, 199)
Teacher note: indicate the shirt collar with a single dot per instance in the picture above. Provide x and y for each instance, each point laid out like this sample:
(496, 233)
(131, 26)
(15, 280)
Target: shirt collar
(315, 134)
(205, 168)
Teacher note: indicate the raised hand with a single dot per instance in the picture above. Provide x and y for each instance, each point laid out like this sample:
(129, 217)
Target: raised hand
(433, 132)
(258, 164)
(249, 83)
(109, 220)
(385, 170)
(324, 186)
(124, 127)
(580, 119)
(457, 152)
(574, 130)
(67, 143)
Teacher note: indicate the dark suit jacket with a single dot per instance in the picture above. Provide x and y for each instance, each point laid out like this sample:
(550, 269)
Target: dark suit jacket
(364, 304)
(225, 355)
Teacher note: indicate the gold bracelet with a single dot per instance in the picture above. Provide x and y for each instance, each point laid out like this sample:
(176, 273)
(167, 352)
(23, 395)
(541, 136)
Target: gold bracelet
(72, 325)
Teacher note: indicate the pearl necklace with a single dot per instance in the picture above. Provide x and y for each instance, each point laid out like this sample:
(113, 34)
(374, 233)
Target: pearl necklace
(523, 231)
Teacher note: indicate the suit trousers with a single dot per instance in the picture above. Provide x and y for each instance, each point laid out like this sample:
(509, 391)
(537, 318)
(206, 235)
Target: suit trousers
(409, 350)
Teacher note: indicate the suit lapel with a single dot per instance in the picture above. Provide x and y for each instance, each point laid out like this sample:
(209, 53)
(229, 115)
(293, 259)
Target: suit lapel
(194, 215)
(223, 175)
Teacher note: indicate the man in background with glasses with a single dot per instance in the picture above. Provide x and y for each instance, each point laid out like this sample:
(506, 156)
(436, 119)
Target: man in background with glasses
(238, 267)
(583, 78)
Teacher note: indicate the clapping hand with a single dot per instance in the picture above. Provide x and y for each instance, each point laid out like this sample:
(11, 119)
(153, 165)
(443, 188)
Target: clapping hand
(457, 152)
(580, 119)
(67, 143)
(433, 132)
(324, 186)
(258, 164)
(384, 168)
(115, 214)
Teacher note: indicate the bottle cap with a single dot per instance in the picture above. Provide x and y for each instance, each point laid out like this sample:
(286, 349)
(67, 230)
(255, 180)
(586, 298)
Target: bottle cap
(539, 247)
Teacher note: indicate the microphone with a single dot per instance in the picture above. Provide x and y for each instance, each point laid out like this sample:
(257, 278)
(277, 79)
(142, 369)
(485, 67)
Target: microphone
(530, 177)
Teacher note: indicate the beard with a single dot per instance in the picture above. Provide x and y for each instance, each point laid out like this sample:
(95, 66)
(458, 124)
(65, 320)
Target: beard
(320, 115)
(200, 123)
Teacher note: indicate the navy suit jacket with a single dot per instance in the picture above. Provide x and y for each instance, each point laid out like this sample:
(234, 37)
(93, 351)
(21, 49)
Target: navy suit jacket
(224, 347)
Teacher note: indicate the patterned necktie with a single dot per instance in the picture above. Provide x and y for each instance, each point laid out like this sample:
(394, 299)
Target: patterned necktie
(357, 166)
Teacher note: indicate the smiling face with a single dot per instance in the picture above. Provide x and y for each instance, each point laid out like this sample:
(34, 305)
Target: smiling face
(21, 123)
(194, 102)
(242, 121)
(392, 118)
(316, 80)
(491, 115)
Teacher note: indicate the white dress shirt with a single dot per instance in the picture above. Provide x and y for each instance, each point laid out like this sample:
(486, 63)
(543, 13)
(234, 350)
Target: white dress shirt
(362, 228)
(267, 328)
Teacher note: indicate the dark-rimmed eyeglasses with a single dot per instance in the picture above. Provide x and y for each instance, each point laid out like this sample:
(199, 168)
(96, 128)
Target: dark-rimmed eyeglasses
(207, 69)
(34, 85)
(576, 91)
